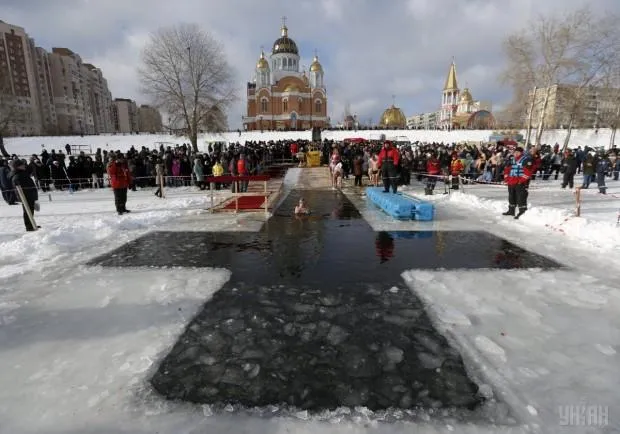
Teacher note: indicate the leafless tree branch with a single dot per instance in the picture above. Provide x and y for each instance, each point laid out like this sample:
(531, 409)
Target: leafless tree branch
(184, 70)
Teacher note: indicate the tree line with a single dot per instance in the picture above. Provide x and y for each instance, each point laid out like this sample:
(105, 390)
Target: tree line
(572, 59)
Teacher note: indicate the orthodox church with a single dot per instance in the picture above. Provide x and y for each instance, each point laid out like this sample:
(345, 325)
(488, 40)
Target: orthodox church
(459, 110)
(281, 97)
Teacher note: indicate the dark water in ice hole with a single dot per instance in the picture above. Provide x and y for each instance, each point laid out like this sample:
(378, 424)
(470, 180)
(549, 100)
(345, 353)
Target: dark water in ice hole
(316, 314)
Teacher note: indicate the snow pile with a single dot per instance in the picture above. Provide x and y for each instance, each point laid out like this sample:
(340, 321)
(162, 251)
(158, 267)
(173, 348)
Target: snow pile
(597, 233)
(29, 145)
(605, 235)
(516, 330)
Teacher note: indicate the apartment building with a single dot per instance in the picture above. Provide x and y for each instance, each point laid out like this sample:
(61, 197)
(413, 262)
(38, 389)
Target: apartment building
(125, 116)
(18, 87)
(49, 93)
(593, 106)
(424, 121)
(45, 97)
(149, 119)
(100, 100)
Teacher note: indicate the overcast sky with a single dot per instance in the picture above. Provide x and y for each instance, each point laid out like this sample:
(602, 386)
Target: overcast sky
(370, 49)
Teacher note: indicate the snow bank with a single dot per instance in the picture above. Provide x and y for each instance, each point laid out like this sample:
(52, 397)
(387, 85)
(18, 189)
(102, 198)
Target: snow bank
(66, 235)
(30, 145)
(599, 234)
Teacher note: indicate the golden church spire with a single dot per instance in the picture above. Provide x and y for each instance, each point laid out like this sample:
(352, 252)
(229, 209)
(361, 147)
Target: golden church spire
(284, 29)
(451, 83)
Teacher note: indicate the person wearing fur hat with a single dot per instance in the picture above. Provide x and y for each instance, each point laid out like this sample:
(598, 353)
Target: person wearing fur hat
(517, 174)
(21, 178)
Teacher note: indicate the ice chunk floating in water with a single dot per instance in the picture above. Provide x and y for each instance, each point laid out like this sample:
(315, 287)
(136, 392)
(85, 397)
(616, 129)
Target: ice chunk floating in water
(316, 314)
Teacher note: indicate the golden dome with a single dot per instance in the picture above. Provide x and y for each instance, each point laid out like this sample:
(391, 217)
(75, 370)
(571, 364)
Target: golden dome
(393, 117)
(262, 62)
(284, 44)
(466, 96)
(291, 88)
(316, 65)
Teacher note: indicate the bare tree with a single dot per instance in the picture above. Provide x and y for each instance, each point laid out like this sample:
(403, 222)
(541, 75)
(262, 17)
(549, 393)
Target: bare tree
(185, 71)
(548, 53)
(608, 100)
(597, 61)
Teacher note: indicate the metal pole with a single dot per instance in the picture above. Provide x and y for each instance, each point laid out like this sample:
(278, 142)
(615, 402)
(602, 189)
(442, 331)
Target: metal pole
(22, 198)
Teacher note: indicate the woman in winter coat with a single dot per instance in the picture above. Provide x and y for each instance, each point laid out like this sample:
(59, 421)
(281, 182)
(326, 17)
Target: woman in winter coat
(589, 169)
(8, 194)
(199, 173)
(176, 171)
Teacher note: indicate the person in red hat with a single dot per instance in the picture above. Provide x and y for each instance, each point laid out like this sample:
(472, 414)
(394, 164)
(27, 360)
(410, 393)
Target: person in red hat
(517, 175)
(388, 165)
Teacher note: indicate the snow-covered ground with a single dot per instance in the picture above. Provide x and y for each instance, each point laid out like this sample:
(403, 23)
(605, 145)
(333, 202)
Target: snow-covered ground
(551, 208)
(30, 145)
(72, 222)
(78, 343)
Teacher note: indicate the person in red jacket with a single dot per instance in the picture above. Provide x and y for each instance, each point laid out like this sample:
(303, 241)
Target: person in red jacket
(242, 170)
(433, 169)
(120, 180)
(456, 168)
(517, 175)
(388, 165)
(294, 147)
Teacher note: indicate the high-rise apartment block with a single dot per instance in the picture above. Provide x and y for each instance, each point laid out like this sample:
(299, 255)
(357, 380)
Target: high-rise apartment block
(18, 89)
(125, 116)
(56, 93)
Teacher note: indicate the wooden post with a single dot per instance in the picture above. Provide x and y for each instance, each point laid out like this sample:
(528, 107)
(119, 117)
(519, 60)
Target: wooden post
(578, 200)
(236, 193)
(22, 198)
(212, 187)
(266, 197)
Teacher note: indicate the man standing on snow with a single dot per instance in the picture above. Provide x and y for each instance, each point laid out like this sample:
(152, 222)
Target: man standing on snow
(517, 174)
(120, 179)
(388, 165)
(21, 178)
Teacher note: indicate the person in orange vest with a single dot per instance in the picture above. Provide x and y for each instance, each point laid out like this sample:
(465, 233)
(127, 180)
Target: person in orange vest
(120, 179)
(456, 169)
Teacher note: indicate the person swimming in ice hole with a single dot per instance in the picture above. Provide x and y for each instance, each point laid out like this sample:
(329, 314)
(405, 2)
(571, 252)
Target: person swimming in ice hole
(301, 208)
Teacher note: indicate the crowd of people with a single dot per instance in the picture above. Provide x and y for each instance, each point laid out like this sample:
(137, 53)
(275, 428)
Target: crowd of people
(368, 162)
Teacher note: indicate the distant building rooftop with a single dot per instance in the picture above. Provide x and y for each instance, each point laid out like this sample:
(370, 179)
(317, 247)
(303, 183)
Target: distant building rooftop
(62, 51)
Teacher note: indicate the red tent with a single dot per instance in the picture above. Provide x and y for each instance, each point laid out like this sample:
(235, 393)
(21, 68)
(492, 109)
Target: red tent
(356, 140)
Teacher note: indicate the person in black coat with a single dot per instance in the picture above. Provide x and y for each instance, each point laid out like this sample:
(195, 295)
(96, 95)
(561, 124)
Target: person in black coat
(569, 169)
(8, 193)
(20, 177)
